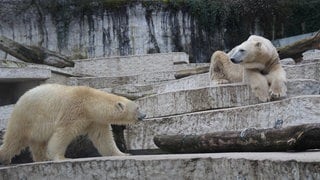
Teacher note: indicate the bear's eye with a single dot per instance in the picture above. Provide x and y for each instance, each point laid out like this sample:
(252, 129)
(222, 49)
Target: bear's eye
(120, 106)
(241, 50)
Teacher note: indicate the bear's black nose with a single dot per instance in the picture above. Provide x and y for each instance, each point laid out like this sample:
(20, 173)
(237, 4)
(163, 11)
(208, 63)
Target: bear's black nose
(234, 61)
(141, 116)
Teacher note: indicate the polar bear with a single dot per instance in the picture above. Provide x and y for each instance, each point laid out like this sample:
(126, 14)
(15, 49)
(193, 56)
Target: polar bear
(48, 117)
(255, 61)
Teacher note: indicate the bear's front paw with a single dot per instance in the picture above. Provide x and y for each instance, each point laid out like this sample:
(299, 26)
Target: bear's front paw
(278, 89)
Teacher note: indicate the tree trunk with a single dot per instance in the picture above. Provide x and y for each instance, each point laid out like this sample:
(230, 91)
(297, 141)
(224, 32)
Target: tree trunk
(298, 138)
(33, 54)
(189, 72)
(296, 49)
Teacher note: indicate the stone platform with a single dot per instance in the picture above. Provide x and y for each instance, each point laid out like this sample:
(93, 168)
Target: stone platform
(304, 165)
(191, 105)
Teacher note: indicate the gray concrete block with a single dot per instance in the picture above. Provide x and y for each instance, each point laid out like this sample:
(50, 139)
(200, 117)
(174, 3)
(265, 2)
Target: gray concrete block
(311, 55)
(109, 82)
(130, 65)
(23, 74)
(293, 111)
(303, 71)
(303, 165)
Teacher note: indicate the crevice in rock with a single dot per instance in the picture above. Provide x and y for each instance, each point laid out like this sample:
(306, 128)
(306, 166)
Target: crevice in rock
(153, 40)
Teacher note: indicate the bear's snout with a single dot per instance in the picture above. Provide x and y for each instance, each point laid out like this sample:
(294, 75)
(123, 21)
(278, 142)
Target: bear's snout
(141, 116)
(235, 61)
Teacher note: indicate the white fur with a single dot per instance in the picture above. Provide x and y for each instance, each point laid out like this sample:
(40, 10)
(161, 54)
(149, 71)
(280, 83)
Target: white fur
(47, 118)
(258, 66)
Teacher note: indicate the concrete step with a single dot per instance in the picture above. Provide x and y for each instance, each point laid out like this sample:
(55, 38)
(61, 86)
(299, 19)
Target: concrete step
(137, 86)
(213, 97)
(302, 165)
(159, 82)
(311, 55)
(293, 111)
(18, 74)
(140, 78)
(130, 65)
(303, 71)
(110, 82)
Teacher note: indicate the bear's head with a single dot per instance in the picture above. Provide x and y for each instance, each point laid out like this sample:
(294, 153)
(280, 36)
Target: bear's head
(128, 112)
(254, 53)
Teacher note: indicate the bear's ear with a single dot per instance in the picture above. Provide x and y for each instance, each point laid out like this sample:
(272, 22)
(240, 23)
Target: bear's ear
(258, 44)
(120, 106)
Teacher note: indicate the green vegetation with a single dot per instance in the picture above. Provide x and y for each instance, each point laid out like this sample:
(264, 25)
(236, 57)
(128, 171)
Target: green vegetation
(278, 18)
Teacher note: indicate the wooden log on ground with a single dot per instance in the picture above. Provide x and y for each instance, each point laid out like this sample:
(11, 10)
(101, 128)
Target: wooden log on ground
(34, 54)
(292, 138)
(188, 72)
(296, 49)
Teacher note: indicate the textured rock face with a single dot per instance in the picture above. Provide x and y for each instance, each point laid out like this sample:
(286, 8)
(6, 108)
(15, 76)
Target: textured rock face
(132, 29)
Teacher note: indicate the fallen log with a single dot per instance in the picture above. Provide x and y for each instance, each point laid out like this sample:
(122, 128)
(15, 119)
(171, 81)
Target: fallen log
(296, 49)
(188, 72)
(34, 54)
(292, 138)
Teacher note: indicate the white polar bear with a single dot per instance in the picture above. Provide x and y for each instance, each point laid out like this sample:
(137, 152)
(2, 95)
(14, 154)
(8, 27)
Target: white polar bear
(48, 117)
(255, 61)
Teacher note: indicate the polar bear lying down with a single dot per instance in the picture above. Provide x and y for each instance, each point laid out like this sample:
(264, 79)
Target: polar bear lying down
(256, 62)
(48, 117)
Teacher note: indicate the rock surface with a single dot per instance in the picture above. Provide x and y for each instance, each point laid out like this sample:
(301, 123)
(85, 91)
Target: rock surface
(91, 30)
(195, 166)
(293, 111)
(190, 105)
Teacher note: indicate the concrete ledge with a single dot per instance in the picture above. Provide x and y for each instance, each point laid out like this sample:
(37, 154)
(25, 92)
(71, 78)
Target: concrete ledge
(311, 55)
(303, 71)
(109, 82)
(23, 74)
(130, 65)
(205, 98)
(293, 111)
(304, 165)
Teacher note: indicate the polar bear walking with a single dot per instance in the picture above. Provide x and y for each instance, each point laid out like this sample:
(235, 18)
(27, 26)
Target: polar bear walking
(256, 62)
(48, 117)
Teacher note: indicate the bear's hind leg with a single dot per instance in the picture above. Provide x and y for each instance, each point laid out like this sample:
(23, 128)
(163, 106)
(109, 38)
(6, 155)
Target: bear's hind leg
(258, 84)
(12, 145)
(102, 139)
(39, 151)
